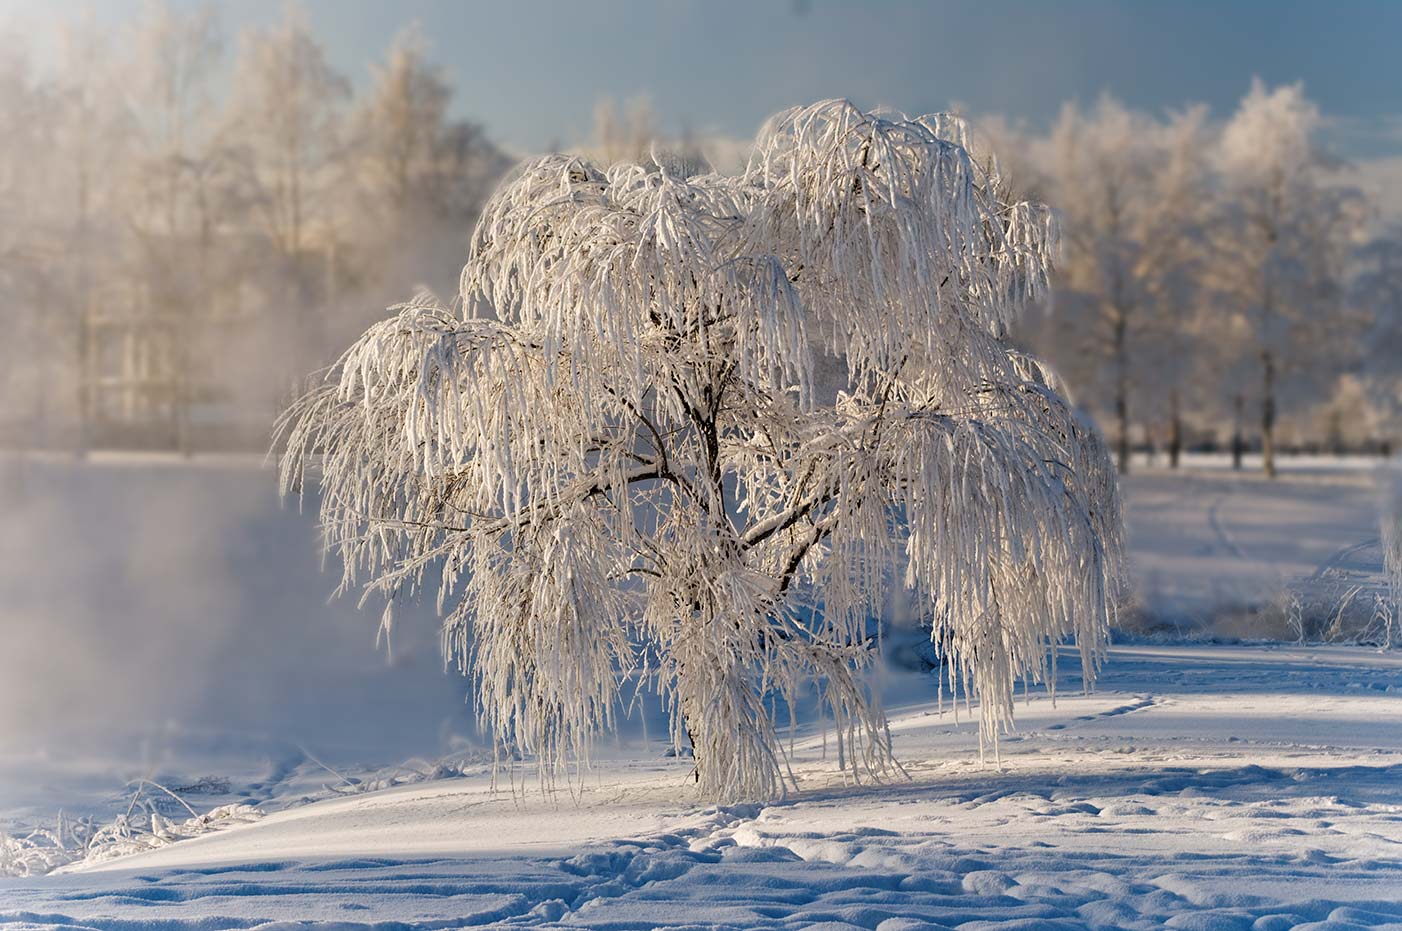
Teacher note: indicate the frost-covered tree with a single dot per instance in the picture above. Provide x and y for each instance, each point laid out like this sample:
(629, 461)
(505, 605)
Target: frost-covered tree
(623, 134)
(1377, 289)
(175, 188)
(26, 274)
(422, 176)
(285, 116)
(614, 466)
(1131, 189)
(1280, 244)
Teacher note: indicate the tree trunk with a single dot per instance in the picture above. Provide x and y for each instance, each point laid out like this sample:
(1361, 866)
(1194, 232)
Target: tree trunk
(1238, 445)
(1122, 418)
(1268, 413)
(691, 742)
(1175, 430)
(85, 384)
(1122, 390)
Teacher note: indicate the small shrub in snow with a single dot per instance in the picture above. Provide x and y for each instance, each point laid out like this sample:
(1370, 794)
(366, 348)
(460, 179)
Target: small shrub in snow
(140, 828)
(1391, 534)
(615, 459)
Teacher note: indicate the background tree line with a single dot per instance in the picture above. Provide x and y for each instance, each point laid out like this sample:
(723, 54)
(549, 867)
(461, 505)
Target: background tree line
(189, 225)
(188, 228)
(1221, 284)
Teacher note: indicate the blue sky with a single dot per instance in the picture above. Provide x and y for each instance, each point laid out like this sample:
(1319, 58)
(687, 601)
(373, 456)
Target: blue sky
(531, 71)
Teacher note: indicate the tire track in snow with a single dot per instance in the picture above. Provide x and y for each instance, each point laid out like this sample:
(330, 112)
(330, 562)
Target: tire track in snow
(1219, 529)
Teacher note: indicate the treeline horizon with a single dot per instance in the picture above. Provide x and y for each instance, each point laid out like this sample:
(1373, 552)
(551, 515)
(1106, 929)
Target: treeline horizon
(181, 249)
(1223, 285)
(194, 226)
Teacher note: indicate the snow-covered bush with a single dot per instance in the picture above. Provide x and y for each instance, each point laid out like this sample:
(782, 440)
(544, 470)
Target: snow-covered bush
(141, 827)
(1391, 535)
(612, 462)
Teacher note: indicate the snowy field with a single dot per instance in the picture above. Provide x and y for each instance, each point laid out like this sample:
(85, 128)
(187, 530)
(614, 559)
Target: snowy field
(1220, 553)
(1200, 786)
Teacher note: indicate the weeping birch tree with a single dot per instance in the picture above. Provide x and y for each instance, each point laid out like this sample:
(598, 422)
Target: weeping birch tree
(610, 462)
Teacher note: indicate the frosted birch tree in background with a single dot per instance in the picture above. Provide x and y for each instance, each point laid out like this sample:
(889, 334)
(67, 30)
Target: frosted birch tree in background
(175, 194)
(1377, 288)
(285, 121)
(1131, 190)
(28, 271)
(1174, 256)
(92, 134)
(422, 175)
(612, 465)
(286, 115)
(1279, 243)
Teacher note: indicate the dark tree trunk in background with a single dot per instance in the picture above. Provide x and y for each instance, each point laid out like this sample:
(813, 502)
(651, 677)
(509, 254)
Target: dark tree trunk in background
(1122, 418)
(1121, 338)
(1238, 445)
(1268, 413)
(87, 375)
(1175, 430)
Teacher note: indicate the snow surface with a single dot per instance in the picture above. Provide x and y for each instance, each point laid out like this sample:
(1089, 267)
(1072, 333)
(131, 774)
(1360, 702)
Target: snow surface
(1200, 787)
(1217, 552)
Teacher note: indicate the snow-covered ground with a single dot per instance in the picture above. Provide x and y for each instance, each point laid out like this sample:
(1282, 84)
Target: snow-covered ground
(1220, 553)
(170, 622)
(1200, 787)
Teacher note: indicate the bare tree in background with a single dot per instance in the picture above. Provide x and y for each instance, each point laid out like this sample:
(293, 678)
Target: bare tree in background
(623, 133)
(1278, 243)
(286, 120)
(631, 133)
(91, 137)
(286, 116)
(172, 203)
(1378, 290)
(421, 174)
(1172, 262)
(30, 287)
(155, 212)
(1130, 190)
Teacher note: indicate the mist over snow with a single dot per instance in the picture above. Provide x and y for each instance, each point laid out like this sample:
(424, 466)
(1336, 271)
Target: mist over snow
(156, 609)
